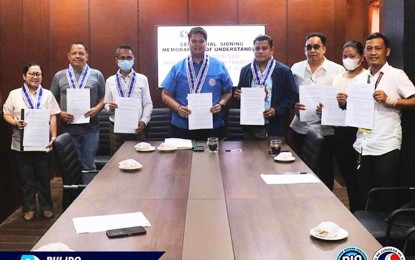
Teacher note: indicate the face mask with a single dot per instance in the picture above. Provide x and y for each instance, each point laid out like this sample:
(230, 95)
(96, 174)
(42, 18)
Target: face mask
(125, 65)
(351, 64)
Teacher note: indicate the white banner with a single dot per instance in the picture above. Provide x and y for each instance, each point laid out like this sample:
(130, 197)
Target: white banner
(231, 44)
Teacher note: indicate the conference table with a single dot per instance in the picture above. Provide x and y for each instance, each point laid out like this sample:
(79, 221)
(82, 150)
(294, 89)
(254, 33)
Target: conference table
(204, 205)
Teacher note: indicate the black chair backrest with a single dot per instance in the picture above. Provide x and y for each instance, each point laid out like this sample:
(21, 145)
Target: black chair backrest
(69, 166)
(234, 129)
(310, 153)
(104, 147)
(159, 126)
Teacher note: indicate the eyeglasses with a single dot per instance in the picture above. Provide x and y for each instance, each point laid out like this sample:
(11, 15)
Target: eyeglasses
(35, 74)
(126, 58)
(309, 47)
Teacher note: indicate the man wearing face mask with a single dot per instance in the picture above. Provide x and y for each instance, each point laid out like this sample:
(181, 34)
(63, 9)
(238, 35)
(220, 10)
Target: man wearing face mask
(127, 83)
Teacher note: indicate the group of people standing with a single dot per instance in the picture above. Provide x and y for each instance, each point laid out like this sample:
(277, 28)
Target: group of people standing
(32, 164)
(366, 158)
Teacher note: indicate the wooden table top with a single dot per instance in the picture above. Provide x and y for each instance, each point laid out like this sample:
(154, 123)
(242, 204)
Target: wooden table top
(212, 206)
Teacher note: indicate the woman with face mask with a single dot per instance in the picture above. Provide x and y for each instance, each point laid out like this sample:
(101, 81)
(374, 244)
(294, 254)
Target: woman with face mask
(353, 61)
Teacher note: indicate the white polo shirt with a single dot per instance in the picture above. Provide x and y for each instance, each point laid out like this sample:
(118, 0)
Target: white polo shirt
(386, 134)
(15, 103)
(141, 92)
(322, 76)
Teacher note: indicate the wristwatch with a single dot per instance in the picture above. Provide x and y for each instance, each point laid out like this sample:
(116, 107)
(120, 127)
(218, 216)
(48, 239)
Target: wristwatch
(222, 106)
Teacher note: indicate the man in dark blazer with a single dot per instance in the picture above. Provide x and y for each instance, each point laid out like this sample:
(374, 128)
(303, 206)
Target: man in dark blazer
(281, 92)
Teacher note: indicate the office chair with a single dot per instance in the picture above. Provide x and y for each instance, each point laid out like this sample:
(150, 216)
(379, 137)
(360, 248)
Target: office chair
(389, 228)
(234, 129)
(104, 148)
(409, 244)
(310, 153)
(158, 128)
(70, 168)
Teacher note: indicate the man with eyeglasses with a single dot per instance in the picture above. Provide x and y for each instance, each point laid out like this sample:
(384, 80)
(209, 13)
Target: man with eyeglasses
(198, 73)
(125, 86)
(316, 70)
(278, 83)
(79, 77)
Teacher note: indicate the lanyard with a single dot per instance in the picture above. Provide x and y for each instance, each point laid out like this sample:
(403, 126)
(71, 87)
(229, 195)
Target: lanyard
(258, 75)
(196, 82)
(81, 83)
(377, 81)
(123, 92)
(28, 99)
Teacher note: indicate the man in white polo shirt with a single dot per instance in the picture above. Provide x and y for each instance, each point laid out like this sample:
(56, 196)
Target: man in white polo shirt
(379, 148)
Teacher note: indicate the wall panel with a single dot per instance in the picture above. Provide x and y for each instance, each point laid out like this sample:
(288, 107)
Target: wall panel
(310, 16)
(106, 36)
(274, 15)
(69, 22)
(11, 59)
(36, 36)
(152, 13)
(356, 20)
(213, 12)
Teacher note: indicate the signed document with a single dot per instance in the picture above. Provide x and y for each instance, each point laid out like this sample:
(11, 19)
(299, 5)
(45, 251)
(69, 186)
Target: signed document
(200, 117)
(126, 115)
(310, 96)
(36, 132)
(360, 106)
(252, 106)
(78, 103)
(331, 114)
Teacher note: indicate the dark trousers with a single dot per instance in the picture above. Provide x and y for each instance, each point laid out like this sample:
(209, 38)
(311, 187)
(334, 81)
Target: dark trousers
(117, 140)
(33, 175)
(379, 171)
(325, 162)
(346, 158)
(198, 135)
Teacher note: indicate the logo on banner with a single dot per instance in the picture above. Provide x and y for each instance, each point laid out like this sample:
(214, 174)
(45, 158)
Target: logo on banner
(388, 253)
(352, 253)
(183, 33)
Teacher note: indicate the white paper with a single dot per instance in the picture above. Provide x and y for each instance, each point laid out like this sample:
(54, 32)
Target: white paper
(360, 106)
(289, 178)
(78, 103)
(310, 96)
(36, 132)
(331, 113)
(180, 143)
(201, 117)
(252, 106)
(107, 222)
(126, 115)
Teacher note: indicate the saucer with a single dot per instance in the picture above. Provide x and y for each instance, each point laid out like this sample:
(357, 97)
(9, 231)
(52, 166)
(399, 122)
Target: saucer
(130, 168)
(146, 149)
(284, 159)
(130, 165)
(341, 235)
(166, 147)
